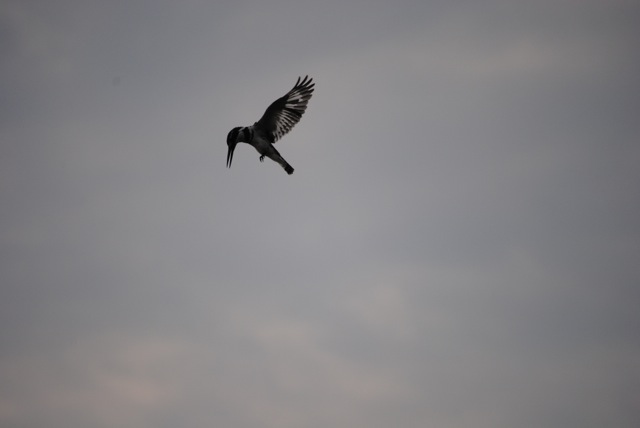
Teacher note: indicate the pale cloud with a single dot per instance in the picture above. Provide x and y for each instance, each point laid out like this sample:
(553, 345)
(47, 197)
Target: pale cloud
(111, 380)
(299, 358)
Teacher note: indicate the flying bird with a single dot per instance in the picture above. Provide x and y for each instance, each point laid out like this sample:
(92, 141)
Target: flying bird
(279, 118)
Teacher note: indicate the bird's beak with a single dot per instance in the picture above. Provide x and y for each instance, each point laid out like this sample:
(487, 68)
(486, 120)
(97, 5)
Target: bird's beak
(232, 147)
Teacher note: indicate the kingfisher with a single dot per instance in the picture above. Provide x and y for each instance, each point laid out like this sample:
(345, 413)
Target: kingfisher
(279, 118)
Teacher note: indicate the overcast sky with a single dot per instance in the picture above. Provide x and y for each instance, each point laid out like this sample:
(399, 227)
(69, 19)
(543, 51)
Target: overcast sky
(459, 246)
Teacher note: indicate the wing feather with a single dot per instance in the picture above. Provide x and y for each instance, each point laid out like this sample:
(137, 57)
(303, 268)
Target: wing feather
(283, 114)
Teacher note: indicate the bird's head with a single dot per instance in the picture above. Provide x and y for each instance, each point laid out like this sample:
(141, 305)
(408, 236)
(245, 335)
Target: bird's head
(232, 140)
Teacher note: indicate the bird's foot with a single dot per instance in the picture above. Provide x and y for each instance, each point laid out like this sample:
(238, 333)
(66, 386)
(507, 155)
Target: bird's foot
(262, 158)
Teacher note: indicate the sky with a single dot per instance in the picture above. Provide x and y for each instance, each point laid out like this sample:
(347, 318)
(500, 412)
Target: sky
(459, 246)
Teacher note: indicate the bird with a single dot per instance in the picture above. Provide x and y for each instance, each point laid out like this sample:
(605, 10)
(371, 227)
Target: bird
(279, 118)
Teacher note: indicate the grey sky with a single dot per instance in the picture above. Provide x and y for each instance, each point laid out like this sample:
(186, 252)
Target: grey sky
(458, 247)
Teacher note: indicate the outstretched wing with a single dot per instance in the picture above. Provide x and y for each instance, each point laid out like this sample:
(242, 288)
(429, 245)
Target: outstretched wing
(285, 112)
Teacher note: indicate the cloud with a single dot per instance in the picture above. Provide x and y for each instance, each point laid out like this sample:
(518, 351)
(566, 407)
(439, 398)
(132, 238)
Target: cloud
(105, 380)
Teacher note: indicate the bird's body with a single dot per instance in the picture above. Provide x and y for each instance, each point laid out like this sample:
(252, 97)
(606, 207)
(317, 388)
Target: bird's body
(259, 139)
(278, 119)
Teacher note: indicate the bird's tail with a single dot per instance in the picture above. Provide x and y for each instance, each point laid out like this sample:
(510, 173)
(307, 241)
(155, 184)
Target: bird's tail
(288, 168)
(274, 155)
